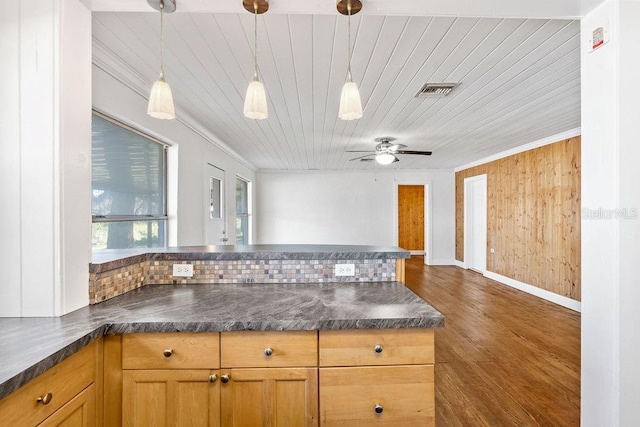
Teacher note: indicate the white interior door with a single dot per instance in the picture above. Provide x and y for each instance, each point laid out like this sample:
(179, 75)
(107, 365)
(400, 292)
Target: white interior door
(475, 223)
(214, 197)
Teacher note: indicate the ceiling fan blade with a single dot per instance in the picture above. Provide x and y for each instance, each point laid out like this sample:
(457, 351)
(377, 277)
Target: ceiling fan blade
(397, 147)
(424, 153)
(361, 157)
(366, 160)
(358, 151)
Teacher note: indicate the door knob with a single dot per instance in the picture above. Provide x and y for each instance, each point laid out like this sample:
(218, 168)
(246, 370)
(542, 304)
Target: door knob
(268, 351)
(225, 378)
(168, 352)
(378, 408)
(213, 378)
(377, 348)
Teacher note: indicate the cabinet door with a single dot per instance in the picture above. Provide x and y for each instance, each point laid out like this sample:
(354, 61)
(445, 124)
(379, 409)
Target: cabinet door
(286, 397)
(78, 412)
(170, 398)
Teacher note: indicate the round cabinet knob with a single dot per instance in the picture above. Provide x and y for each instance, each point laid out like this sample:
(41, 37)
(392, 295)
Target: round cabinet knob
(168, 352)
(46, 399)
(377, 348)
(378, 408)
(213, 378)
(268, 351)
(225, 378)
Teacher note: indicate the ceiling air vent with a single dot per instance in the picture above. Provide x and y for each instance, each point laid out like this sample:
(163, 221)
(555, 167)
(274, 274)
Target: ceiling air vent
(435, 90)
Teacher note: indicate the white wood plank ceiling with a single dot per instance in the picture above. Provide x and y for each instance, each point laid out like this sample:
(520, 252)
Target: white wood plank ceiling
(519, 81)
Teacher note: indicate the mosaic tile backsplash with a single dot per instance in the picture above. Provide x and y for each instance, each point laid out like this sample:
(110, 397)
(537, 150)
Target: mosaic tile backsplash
(109, 284)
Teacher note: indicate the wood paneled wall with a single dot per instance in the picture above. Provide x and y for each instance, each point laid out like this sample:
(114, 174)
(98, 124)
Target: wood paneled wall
(533, 216)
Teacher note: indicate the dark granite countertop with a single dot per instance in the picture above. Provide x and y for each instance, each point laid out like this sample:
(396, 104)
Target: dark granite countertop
(115, 258)
(33, 345)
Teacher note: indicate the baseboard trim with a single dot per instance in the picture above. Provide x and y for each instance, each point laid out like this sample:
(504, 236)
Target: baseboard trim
(442, 261)
(459, 264)
(540, 293)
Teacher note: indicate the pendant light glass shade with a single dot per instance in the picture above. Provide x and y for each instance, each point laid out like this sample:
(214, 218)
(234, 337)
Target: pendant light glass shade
(350, 105)
(161, 101)
(385, 158)
(255, 101)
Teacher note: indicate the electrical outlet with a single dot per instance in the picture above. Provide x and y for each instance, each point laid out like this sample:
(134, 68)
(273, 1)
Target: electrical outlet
(182, 270)
(345, 270)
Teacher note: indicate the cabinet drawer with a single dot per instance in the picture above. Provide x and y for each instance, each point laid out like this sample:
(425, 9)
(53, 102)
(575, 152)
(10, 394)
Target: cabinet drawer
(385, 396)
(179, 350)
(252, 349)
(371, 347)
(62, 382)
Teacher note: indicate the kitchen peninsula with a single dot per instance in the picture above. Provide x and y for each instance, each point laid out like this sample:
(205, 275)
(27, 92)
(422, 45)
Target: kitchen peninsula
(365, 340)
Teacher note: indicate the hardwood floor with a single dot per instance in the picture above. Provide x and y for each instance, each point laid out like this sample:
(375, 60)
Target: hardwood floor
(504, 358)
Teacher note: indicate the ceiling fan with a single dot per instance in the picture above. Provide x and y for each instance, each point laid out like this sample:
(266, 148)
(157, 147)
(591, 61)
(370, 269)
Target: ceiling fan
(385, 152)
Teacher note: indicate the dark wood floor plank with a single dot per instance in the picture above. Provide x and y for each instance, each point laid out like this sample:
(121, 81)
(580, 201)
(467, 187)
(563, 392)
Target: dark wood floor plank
(504, 358)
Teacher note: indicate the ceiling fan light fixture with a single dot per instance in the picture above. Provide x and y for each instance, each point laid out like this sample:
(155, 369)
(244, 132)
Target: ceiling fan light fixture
(161, 99)
(385, 158)
(255, 100)
(350, 103)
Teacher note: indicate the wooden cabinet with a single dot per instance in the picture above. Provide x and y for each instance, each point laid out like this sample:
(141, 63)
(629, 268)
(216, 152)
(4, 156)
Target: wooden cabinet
(279, 397)
(280, 378)
(62, 396)
(78, 412)
(179, 397)
(377, 377)
(171, 379)
(269, 378)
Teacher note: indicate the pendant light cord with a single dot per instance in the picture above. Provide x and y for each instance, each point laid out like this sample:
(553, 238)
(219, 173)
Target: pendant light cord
(349, 31)
(255, 40)
(161, 40)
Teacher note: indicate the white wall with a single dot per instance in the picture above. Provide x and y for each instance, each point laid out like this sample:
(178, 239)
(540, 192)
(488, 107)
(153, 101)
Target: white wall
(350, 207)
(611, 245)
(115, 99)
(46, 145)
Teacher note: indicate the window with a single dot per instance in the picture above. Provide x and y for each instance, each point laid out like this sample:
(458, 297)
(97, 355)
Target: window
(128, 183)
(242, 211)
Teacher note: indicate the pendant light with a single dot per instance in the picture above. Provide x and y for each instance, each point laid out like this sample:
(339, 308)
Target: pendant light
(255, 101)
(161, 100)
(350, 105)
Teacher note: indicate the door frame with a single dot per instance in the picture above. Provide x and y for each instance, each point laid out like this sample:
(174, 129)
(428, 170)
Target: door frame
(467, 223)
(223, 201)
(428, 229)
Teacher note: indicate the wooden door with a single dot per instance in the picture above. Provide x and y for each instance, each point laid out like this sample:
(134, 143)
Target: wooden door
(411, 217)
(78, 412)
(170, 398)
(284, 397)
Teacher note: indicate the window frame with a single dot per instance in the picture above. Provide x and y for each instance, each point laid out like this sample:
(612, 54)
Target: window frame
(161, 218)
(248, 214)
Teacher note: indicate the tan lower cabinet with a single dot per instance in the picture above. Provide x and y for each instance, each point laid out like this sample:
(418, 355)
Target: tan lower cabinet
(78, 412)
(278, 397)
(177, 397)
(62, 396)
(271, 378)
(380, 377)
